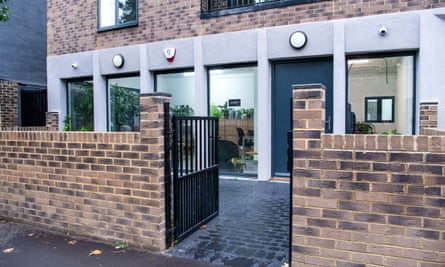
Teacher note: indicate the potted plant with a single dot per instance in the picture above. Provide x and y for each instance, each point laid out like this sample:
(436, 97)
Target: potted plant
(364, 128)
(182, 110)
(238, 165)
(225, 110)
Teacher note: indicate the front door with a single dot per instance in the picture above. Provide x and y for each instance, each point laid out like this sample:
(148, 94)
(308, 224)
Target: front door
(286, 74)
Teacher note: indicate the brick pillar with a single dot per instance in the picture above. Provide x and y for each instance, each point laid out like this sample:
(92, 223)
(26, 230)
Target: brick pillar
(9, 104)
(152, 133)
(52, 121)
(428, 116)
(308, 125)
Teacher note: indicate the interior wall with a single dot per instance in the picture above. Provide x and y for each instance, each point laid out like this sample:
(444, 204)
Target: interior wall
(369, 85)
(181, 87)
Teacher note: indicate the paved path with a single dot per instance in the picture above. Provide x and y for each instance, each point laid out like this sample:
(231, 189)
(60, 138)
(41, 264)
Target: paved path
(252, 228)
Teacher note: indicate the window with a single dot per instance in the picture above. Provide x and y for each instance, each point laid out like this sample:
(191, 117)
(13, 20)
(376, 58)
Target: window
(214, 8)
(379, 109)
(233, 98)
(381, 94)
(117, 13)
(181, 85)
(123, 104)
(80, 115)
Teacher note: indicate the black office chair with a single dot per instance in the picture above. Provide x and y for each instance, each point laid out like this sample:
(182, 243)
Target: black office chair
(242, 140)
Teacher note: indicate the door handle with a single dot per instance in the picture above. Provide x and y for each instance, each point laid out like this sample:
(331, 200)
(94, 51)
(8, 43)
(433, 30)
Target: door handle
(328, 124)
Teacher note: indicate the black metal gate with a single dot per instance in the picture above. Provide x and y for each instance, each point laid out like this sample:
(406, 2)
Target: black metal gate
(192, 196)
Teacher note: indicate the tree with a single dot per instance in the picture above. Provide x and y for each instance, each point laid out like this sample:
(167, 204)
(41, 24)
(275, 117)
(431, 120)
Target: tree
(128, 8)
(4, 11)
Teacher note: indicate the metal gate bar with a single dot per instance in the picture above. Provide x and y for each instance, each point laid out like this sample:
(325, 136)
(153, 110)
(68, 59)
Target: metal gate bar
(195, 173)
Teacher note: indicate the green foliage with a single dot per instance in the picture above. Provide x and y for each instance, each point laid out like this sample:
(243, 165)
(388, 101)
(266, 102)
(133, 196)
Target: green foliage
(364, 128)
(246, 113)
(82, 118)
(182, 110)
(124, 105)
(394, 132)
(224, 108)
(121, 245)
(4, 11)
(128, 11)
(214, 111)
(67, 123)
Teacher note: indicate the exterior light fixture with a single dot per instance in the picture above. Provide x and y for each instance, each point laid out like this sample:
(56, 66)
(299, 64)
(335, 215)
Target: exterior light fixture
(298, 39)
(118, 61)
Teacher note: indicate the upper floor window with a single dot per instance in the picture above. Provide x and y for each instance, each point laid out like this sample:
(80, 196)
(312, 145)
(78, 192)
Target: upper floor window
(117, 13)
(213, 8)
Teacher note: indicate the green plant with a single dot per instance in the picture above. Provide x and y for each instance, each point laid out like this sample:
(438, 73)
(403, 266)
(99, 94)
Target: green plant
(246, 113)
(225, 110)
(67, 123)
(391, 132)
(238, 165)
(121, 245)
(182, 110)
(124, 106)
(215, 112)
(81, 108)
(364, 128)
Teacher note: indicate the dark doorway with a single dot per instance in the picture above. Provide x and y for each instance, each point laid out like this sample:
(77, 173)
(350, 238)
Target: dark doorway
(286, 74)
(33, 107)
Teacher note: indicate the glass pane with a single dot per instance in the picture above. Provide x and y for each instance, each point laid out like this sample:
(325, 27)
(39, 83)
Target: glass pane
(127, 11)
(387, 109)
(381, 78)
(123, 111)
(80, 106)
(181, 86)
(107, 13)
(233, 98)
(371, 112)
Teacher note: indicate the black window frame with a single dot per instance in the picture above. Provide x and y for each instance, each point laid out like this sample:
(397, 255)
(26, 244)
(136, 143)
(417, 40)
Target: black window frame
(379, 108)
(249, 8)
(116, 25)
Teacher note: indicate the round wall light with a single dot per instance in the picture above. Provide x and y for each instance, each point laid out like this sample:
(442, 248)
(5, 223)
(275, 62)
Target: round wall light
(298, 39)
(118, 61)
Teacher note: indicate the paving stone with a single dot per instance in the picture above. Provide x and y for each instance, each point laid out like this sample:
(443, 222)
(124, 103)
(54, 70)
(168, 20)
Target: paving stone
(252, 228)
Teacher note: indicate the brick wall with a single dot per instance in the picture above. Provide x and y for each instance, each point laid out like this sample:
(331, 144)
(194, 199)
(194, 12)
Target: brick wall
(52, 121)
(364, 200)
(9, 104)
(107, 186)
(72, 24)
(428, 116)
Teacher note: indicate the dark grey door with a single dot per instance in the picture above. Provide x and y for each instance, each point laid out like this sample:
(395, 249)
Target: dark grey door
(286, 74)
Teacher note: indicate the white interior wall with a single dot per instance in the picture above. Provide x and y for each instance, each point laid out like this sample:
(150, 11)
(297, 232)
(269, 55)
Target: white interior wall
(369, 85)
(180, 85)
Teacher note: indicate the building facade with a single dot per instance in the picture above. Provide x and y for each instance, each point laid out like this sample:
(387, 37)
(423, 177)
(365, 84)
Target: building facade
(23, 65)
(379, 61)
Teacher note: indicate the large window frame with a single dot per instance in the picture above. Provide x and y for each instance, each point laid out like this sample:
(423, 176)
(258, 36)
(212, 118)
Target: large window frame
(104, 6)
(120, 121)
(354, 123)
(80, 107)
(238, 142)
(178, 105)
